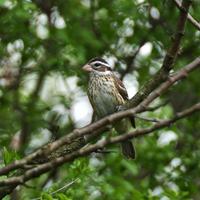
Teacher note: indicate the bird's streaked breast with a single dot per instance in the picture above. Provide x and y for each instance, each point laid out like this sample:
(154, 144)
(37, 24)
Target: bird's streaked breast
(103, 95)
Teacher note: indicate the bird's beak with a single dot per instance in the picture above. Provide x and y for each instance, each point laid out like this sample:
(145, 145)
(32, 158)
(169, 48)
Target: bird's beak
(87, 68)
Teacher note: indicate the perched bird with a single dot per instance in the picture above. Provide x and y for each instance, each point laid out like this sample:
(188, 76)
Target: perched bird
(107, 93)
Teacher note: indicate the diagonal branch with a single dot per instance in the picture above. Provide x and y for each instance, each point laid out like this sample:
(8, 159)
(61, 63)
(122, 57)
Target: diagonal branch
(92, 128)
(191, 19)
(14, 181)
(68, 185)
(150, 109)
(139, 97)
(168, 62)
(141, 100)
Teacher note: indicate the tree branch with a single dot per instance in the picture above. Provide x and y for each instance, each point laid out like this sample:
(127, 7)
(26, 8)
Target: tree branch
(60, 189)
(140, 101)
(97, 127)
(193, 21)
(151, 109)
(14, 181)
(141, 95)
(169, 59)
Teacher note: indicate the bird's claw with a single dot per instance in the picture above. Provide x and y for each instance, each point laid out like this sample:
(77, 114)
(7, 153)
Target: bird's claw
(119, 108)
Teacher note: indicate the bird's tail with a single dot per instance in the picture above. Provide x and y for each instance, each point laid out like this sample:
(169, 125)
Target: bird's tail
(128, 149)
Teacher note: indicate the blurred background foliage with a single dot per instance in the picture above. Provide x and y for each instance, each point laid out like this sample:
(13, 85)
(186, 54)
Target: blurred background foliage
(44, 43)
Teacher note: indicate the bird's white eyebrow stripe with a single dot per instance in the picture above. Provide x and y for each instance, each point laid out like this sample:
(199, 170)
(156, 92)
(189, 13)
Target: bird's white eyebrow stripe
(102, 63)
(102, 73)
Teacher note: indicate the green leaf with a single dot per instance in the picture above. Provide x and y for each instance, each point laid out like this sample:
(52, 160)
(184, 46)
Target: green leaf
(9, 156)
(2, 2)
(62, 196)
(46, 196)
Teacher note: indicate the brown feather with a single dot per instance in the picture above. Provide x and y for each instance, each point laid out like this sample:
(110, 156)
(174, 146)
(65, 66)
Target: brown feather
(106, 93)
(123, 92)
(120, 87)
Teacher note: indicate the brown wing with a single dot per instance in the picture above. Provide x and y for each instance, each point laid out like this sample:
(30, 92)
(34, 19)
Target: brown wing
(121, 88)
(123, 92)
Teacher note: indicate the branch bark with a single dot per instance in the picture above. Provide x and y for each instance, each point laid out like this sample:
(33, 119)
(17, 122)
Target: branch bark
(14, 181)
(168, 62)
(193, 21)
(92, 128)
(36, 171)
(140, 101)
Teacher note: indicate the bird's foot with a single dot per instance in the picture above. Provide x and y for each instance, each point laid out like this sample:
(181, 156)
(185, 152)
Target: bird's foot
(120, 108)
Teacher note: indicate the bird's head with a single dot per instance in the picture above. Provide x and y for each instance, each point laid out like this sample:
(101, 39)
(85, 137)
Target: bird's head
(98, 65)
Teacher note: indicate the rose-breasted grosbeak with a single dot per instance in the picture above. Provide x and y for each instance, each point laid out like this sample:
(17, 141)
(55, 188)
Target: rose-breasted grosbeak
(106, 93)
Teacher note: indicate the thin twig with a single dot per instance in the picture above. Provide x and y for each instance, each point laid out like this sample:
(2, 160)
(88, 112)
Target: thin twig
(14, 181)
(157, 106)
(141, 101)
(146, 118)
(93, 147)
(168, 61)
(92, 128)
(60, 189)
(191, 19)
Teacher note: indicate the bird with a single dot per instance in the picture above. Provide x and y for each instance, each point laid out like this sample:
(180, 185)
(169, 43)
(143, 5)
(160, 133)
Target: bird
(106, 93)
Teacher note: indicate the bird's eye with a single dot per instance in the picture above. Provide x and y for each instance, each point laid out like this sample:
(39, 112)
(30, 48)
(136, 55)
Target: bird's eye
(97, 64)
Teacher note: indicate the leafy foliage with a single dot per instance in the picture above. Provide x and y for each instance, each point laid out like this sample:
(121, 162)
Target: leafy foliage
(43, 45)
